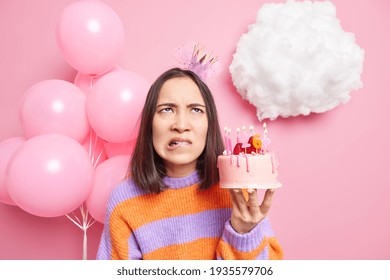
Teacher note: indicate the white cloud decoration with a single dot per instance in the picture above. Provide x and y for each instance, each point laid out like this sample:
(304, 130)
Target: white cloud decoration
(296, 59)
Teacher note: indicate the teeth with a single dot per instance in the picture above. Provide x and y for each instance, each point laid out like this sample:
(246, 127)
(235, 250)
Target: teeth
(178, 143)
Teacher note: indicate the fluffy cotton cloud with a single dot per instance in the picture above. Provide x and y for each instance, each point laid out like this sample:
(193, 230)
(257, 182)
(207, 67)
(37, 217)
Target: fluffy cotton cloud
(296, 59)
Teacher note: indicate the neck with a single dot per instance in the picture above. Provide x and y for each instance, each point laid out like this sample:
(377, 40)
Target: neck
(179, 171)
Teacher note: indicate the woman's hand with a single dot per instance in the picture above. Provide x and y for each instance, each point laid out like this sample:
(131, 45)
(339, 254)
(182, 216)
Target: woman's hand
(246, 214)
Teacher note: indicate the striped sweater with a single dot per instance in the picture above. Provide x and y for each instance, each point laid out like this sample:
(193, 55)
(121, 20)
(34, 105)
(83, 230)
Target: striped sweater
(181, 222)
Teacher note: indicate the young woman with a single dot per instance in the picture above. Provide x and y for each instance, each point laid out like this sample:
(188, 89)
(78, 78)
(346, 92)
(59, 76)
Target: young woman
(171, 206)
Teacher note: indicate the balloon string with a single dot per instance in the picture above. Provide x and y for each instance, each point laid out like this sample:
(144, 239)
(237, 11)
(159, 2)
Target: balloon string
(77, 223)
(93, 145)
(99, 156)
(86, 223)
(85, 245)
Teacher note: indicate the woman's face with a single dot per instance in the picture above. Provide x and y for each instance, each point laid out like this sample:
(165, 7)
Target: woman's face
(180, 126)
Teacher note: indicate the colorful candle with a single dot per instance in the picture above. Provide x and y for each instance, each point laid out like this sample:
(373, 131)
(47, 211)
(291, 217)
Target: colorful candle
(266, 140)
(230, 149)
(226, 140)
(251, 130)
(265, 130)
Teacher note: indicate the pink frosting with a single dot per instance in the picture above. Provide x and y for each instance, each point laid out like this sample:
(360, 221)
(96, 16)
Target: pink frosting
(260, 171)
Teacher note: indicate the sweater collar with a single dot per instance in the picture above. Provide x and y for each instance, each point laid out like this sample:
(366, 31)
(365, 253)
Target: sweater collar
(182, 182)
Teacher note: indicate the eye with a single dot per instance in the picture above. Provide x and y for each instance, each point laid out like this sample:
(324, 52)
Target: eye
(166, 110)
(197, 110)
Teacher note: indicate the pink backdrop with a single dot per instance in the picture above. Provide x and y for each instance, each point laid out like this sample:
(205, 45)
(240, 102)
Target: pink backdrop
(334, 166)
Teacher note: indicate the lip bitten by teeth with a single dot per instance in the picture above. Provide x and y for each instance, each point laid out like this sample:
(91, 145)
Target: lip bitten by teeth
(178, 143)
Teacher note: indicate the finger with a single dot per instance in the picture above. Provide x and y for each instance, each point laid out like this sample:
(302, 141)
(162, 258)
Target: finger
(267, 201)
(253, 201)
(238, 200)
(233, 198)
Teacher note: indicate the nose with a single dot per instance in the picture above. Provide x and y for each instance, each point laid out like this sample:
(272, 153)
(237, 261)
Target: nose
(180, 123)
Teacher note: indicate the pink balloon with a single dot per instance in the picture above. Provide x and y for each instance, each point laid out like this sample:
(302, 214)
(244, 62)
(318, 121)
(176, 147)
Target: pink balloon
(90, 36)
(115, 104)
(7, 149)
(49, 175)
(106, 176)
(116, 149)
(54, 106)
(86, 82)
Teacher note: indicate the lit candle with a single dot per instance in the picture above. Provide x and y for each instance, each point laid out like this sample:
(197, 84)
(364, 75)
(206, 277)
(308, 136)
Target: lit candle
(238, 135)
(266, 140)
(251, 130)
(245, 139)
(226, 140)
(230, 148)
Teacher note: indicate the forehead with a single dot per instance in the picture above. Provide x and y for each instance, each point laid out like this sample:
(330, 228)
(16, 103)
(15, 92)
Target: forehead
(180, 89)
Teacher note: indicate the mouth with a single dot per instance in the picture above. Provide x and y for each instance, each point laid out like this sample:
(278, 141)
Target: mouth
(178, 143)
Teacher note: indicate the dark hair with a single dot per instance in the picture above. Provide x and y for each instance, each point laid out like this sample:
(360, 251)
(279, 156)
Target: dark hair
(147, 167)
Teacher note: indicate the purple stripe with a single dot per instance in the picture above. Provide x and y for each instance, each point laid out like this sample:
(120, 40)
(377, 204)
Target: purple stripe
(263, 254)
(265, 228)
(182, 229)
(104, 251)
(124, 191)
(127, 190)
(177, 183)
(134, 251)
(249, 241)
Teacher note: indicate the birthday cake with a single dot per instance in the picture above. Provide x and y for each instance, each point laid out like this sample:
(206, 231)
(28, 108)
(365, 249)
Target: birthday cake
(250, 164)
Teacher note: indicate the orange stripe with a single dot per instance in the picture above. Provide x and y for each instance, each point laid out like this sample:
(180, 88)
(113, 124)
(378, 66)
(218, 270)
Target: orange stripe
(227, 252)
(274, 249)
(184, 201)
(120, 232)
(200, 249)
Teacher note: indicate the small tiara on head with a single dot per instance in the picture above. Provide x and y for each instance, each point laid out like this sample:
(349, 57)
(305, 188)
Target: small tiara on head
(191, 56)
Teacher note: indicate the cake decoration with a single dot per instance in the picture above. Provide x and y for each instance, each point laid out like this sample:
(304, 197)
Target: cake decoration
(266, 140)
(251, 163)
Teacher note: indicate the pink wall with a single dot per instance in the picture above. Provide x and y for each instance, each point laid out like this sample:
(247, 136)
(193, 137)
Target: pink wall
(334, 166)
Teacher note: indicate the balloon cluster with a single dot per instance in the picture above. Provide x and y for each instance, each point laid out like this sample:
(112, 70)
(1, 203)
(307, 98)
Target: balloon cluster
(77, 136)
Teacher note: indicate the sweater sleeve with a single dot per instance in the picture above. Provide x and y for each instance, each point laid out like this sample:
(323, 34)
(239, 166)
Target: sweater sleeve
(117, 240)
(104, 250)
(259, 243)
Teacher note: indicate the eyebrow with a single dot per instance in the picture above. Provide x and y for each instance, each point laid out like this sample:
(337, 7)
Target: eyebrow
(191, 105)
